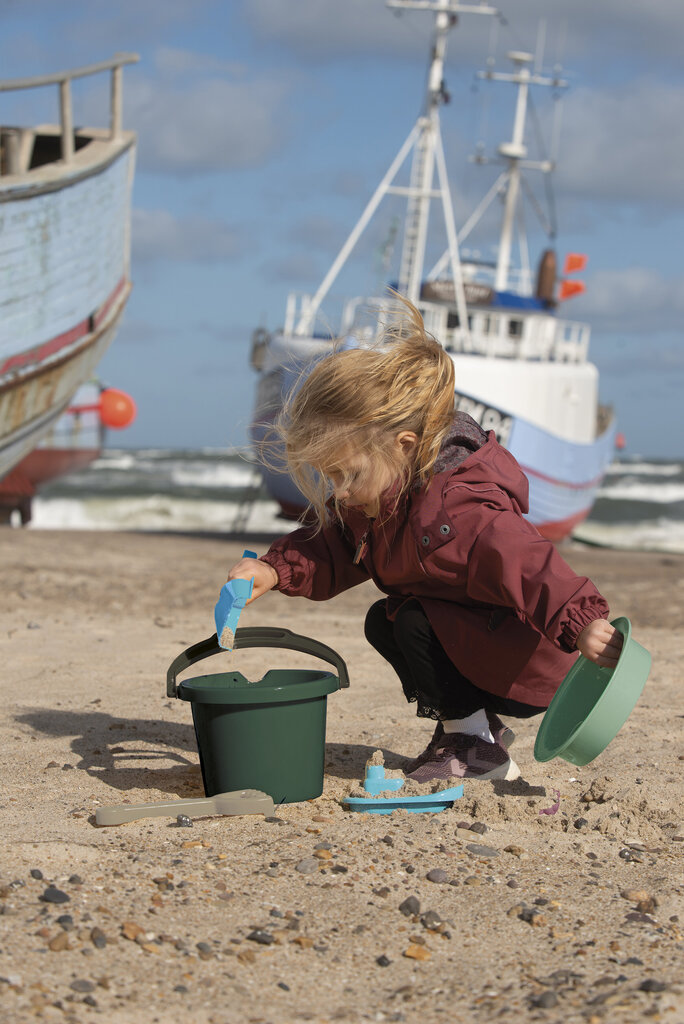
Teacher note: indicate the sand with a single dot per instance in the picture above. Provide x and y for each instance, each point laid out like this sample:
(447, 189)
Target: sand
(568, 916)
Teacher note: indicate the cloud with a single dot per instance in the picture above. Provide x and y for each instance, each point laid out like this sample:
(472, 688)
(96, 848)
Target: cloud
(210, 124)
(172, 61)
(633, 300)
(158, 235)
(624, 144)
(576, 29)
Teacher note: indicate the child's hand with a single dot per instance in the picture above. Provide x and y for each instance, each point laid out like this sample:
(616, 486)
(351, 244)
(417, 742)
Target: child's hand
(601, 643)
(265, 576)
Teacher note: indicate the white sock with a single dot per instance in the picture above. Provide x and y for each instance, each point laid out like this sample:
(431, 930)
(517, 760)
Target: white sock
(476, 724)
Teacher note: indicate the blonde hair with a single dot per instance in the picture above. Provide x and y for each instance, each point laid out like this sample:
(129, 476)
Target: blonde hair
(360, 399)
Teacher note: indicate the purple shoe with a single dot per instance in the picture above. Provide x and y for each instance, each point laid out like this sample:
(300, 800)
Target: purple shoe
(501, 733)
(466, 757)
(415, 762)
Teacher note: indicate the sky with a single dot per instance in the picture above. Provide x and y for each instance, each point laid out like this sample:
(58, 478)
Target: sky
(265, 125)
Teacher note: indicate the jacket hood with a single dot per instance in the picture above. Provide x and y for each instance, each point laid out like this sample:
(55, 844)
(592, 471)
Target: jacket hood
(471, 456)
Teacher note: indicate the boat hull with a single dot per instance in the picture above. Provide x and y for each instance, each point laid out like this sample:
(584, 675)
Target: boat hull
(65, 246)
(563, 475)
(32, 402)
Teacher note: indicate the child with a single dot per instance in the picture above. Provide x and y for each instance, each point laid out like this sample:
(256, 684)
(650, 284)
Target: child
(482, 615)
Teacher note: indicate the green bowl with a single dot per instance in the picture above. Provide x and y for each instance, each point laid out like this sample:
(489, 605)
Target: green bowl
(592, 704)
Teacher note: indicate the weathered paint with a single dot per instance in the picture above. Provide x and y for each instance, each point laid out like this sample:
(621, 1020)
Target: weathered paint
(62, 254)
(29, 408)
(64, 281)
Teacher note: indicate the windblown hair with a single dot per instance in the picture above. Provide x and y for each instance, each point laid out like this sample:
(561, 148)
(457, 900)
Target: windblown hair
(358, 400)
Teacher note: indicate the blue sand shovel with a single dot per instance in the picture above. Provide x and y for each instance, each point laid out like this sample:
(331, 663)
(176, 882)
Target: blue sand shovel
(375, 782)
(232, 599)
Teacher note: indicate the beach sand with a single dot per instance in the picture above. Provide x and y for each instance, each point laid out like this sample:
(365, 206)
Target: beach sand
(573, 916)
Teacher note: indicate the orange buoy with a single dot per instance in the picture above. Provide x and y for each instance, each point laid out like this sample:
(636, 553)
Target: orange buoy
(117, 409)
(620, 441)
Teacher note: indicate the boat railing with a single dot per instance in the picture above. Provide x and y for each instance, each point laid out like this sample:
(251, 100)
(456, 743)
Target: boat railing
(493, 333)
(17, 143)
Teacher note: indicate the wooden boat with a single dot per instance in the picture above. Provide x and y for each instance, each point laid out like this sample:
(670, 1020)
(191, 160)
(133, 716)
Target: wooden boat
(65, 204)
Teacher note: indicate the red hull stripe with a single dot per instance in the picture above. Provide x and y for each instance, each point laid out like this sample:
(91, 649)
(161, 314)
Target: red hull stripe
(561, 483)
(42, 352)
(562, 527)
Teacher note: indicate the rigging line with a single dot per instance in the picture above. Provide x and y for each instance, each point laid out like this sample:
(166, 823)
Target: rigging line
(546, 224)
(544, 155)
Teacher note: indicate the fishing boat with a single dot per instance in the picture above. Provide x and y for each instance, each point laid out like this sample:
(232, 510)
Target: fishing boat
(522, 368)
(65, 208)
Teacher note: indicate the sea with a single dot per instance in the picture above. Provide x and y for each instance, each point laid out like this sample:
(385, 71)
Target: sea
(640, 504)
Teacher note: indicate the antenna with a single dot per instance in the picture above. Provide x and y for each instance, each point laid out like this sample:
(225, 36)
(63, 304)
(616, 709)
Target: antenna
(541, 43)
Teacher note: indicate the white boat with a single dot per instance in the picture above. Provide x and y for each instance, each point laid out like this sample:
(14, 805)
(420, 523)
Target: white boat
(65, 206)
(522, 369)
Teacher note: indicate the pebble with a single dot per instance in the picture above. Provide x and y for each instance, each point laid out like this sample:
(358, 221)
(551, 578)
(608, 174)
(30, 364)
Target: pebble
(261, 936)
(629, 855)
(580, 823)
(274, 819)
(307, 866)
(36, 873)
(76, 880)
(437, 875)
(482, 851)
(515, 851)
(53, 895)
(82, 985)
(416, 952)
(513, 883)
(66, 922)
(98, 938)
(480, 827)
(59, 943)
(545, 1001)
(183, 821)
(410, 906)
(651, 985)
(383, 961)
(431, 919)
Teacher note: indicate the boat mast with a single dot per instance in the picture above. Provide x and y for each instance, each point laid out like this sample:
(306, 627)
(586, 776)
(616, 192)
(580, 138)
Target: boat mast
(420, 190)
(425, 140)
(515, 153)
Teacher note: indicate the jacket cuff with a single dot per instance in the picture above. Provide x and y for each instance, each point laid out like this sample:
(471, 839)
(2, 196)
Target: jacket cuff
(283, 569)
(577, 621)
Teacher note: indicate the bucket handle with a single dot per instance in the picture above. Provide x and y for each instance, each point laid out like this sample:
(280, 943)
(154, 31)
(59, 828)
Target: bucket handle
(256, 636)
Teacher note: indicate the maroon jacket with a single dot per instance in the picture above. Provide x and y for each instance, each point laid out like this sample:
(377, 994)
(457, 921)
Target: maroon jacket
(505, 606)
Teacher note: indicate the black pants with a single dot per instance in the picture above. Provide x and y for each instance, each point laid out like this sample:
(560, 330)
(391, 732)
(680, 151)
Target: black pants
(427, 675)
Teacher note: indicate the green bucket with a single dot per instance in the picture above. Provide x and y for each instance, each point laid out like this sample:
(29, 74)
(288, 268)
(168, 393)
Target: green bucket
(592, 704)
(269, 734)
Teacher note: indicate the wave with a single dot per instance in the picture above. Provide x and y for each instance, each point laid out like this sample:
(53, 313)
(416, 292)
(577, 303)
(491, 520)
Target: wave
(220, 476)
(154, 513)
(635, 490)
(662, 534)
(644, 468)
